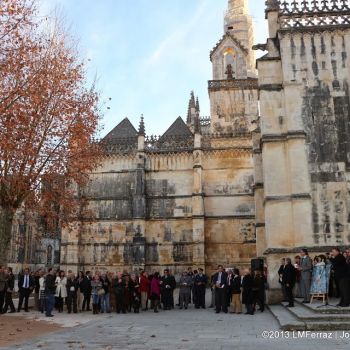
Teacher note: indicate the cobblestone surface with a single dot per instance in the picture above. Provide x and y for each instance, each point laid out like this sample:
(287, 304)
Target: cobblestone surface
(177, 329)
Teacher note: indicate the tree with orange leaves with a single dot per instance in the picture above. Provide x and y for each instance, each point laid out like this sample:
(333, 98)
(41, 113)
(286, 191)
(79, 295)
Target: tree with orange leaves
(48, 118)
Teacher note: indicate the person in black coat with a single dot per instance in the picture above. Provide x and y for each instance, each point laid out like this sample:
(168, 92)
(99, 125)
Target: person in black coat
(167, 284)
(341, 275)
(280, 273)
(50, 290)
(10, 287)
(200, 284)
(259, 290)
(85, 287)
(72, 293)
(26, 285)
(220, 285)
(230, 277)
(236, 292)
(289, 277)
(247, 292)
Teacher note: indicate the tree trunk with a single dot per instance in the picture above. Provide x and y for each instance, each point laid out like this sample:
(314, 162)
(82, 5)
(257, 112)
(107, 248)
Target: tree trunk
(6, 220)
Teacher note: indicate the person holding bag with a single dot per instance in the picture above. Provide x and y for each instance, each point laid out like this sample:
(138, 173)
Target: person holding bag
(97, 292)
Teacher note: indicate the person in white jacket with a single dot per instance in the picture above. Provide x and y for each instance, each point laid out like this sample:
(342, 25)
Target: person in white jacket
(61, 290)
(42, 295)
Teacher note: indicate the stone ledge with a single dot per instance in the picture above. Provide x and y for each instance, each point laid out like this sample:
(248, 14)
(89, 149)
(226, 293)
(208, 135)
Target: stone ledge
(287, 197)
(312, 249)
(295, 134)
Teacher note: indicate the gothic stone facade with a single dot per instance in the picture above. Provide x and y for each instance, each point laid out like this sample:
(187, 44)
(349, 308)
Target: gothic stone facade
(303, 153)
(185, 198)
(32, 244)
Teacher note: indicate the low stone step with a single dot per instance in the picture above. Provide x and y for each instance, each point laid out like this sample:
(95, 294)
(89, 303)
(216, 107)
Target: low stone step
(307, 314)
(320, 308)
(286, 320)
(289, 321)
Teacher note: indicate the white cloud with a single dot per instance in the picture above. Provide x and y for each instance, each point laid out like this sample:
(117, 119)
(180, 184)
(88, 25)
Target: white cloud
(177, 35)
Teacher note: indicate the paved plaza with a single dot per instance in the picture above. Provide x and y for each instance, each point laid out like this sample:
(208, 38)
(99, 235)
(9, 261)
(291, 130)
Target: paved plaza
(177, 329)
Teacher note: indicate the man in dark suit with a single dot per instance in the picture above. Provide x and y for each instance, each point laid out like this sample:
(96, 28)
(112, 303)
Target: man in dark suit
(200, 283)
(341, 275)
(167, 284)
(220, 285)
(26, 285)
(305, 275)
(86, 288)
(288, 280)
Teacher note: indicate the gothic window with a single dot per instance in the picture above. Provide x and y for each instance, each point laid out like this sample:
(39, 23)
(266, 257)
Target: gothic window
(49, 255)
(229, 63)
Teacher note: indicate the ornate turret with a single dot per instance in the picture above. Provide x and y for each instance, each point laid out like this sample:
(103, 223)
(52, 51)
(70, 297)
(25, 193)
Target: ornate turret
(141, 126)
(234, 73)
(193, 111)
(197, 106)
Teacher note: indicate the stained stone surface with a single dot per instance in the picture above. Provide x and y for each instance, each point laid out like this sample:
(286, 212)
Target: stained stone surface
(179, 329)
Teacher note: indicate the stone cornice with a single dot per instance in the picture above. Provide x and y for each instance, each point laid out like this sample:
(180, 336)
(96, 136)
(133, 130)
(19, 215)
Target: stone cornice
(311, 249)
(285, 198)
(233, 84)
(297, 134)
(270, 87)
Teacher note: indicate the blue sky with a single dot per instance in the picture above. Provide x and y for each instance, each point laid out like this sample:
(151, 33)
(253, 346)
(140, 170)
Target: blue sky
(149, 54)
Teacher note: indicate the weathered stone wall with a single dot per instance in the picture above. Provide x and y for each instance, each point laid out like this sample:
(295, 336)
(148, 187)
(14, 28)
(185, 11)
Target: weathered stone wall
(167, 232)
(304, 98)
(318, 64)
(233, 110)
(184, 199)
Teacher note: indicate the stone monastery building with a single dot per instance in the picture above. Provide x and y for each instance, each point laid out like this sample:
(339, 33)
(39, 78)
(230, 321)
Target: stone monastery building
(266, 174)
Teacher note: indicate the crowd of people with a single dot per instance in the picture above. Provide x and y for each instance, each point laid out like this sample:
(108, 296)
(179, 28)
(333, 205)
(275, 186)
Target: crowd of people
(106, 292)
(329, 274)
(129, 292)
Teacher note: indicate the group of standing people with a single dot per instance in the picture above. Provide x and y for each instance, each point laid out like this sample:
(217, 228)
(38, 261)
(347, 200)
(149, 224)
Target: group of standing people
(126, 292)
(231, 289)
(301, 278)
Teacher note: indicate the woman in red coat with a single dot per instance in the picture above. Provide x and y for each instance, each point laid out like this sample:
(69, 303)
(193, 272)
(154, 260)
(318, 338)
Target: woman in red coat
(155, 291)
(144, 289)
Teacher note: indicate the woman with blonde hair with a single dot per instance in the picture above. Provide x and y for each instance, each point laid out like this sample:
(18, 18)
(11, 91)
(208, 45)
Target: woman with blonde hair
(97, 293)
(61, 290)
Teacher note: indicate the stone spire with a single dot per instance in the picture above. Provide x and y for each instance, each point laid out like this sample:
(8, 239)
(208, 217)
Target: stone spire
(239, 22)
(197, 106)
(191, 108)
(141, 126)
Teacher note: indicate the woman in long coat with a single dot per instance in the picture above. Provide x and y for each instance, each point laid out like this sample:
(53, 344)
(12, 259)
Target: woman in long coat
(155, 291)
(61, 290)
(112, 298)
(119, 291)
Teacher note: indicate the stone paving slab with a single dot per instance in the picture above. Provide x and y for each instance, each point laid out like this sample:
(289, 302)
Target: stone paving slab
(176, 329)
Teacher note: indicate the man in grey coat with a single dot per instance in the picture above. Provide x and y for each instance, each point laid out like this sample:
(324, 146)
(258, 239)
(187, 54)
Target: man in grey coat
(305, 275)
(186, 283)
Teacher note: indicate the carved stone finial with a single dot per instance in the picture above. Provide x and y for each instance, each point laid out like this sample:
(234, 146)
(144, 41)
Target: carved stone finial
(197, 105)
(142, 126)
(192, 100)
(272, 5)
